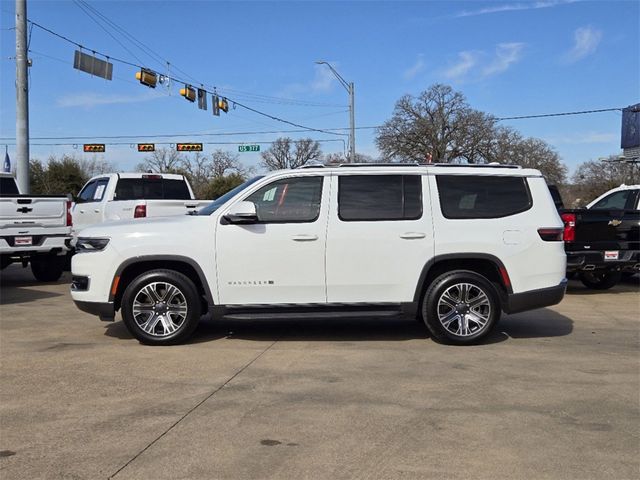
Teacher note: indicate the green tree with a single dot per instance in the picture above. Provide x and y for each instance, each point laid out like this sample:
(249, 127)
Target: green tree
(220, 185)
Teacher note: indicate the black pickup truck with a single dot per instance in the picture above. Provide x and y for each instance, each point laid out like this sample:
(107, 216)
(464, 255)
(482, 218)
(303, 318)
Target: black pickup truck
(602, 241)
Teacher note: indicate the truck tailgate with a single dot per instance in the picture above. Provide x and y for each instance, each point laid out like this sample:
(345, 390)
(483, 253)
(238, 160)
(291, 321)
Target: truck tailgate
(32, 211)
(607, 229)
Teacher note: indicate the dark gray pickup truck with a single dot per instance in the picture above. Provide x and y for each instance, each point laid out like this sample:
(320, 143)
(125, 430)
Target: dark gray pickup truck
(602, 241)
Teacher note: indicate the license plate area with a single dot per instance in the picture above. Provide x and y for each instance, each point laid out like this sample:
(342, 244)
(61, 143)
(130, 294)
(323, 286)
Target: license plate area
(23, 241)
(611, 255)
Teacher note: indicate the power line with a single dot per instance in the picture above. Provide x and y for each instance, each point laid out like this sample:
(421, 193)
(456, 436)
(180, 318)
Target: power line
(544, 115)
(233, 101)
(251, 142)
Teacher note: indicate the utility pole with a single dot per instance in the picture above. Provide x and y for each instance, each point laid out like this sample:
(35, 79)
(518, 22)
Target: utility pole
(352, 118)
(352, 124)
(22, 98)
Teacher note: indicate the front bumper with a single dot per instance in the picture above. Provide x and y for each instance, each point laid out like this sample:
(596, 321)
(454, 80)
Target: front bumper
(543, 297)
(105, 311)
(594, 260)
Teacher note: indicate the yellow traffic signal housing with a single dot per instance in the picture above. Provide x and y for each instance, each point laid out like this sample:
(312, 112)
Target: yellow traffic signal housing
(147, 77)
(94, 147)
(223, 104)
(189, 93)
(189, 147)
(146, 147)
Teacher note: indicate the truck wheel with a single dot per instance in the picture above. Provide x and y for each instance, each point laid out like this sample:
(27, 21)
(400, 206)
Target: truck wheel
(460, 307)
(600, 280)
(47, 268)
(161, 307)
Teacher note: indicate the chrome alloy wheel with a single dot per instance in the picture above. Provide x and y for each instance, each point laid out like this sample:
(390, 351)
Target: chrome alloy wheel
(159, 309)
(464, 309)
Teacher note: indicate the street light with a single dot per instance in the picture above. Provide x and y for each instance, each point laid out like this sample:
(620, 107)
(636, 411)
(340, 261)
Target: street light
(352, 130)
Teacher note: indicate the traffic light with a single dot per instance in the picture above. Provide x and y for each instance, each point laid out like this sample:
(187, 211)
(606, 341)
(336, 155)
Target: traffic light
(146, 147)
(189, 93)
(223, 104)
(189, 147)
(147, 77)
(94, 147)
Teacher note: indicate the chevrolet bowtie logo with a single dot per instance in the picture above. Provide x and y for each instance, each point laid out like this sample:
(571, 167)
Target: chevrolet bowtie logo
(615, 222)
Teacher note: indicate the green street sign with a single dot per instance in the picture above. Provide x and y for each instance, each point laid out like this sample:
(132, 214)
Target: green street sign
(248, 148)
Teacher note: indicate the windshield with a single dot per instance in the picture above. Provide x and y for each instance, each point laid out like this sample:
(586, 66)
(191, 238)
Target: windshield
(218, 202)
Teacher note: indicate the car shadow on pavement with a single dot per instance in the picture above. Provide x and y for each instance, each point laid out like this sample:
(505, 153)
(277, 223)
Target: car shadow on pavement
(626, 285)
(15, 283)
(536, 324)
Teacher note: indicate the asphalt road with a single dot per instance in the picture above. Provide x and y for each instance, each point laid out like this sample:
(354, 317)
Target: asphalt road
(554, 394)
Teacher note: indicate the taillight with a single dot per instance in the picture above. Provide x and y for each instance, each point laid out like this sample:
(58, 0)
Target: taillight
(569, 234)
(551, 234)
(69, 217)
(140, 211)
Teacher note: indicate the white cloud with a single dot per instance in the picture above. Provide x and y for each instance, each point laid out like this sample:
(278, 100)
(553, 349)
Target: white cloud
(411, 72)
(323, 79)
(511, 7)
(466, 61)
(92, 99)
(586, 41)
(506, 55)
(479, 64)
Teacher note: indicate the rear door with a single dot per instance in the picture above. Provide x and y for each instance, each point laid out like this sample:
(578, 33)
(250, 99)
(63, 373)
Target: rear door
(379, 237)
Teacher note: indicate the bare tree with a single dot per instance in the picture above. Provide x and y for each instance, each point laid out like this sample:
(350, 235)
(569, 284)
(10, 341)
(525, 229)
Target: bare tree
(163, 160)
(337, 158)
(438, 124)
(591, 179)
(285, 153)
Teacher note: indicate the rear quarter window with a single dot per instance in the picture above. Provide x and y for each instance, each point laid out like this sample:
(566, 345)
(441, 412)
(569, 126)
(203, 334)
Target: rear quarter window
(474, 196)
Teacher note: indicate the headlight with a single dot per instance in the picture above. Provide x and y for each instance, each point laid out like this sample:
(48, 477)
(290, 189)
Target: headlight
(91, 244)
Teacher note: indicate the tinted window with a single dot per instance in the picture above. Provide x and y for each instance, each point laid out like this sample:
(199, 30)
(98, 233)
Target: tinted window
(218, 202)
(379, 197)
(8, 186)
(86, 194)
(151, 189)
(289, 200)
(466, 196)
(616, 200)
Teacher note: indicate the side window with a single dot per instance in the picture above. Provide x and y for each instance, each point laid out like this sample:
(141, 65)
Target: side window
(475, 196)
(289, 200)
(87, 193)
(379, 197)
(101, 186)
(615, 201)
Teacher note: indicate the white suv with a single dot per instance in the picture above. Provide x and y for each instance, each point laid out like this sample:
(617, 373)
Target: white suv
(453, 245)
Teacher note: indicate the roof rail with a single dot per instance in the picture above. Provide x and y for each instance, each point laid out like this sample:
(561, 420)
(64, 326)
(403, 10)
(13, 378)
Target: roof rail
(475, 165)
(381, 164)
(312, 164)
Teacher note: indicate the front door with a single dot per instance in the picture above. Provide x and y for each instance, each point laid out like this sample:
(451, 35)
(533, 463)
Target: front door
(281, 258)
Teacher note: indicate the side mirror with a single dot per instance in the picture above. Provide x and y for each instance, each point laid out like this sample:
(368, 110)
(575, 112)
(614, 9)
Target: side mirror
(242, 212)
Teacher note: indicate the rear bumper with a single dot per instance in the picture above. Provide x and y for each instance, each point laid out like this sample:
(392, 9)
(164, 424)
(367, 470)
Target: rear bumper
(105, 311)
(544, 297)
(594, 260)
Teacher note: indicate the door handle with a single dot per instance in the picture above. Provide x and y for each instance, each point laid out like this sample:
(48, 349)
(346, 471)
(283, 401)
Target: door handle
(81, 211)
(304, 238)
(96, 210)
(413, 235)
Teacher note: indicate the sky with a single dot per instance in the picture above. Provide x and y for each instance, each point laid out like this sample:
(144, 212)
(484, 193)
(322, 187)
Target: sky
(508, 58)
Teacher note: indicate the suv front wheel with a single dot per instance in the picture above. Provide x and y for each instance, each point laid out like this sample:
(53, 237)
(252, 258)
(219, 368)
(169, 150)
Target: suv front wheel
(161, 307)
(460, 307)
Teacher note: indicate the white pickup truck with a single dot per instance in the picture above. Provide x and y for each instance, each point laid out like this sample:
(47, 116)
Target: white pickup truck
(34, 229)
(124, 196)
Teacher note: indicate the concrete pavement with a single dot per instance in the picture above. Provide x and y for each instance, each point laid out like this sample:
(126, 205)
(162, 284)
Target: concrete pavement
(554, 394)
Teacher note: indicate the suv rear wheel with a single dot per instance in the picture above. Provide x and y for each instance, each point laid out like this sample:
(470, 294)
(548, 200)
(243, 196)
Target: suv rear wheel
(603, 280)
(161, 307)
(460, 307)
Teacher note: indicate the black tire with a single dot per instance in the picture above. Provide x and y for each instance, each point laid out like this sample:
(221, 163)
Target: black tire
(155, 313)
(445, 301)
(47, 268)
(600, 280)
(627, 275)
